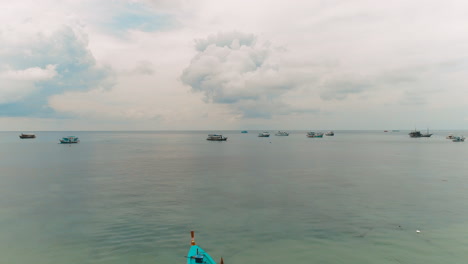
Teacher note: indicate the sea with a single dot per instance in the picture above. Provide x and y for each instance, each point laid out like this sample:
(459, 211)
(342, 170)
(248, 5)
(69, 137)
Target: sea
(133, 197)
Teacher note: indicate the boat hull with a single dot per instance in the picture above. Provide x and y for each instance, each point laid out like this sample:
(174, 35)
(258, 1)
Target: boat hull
(197, 255)
(23, 136)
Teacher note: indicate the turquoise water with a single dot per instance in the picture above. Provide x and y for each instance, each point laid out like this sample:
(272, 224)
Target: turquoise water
(133, 197)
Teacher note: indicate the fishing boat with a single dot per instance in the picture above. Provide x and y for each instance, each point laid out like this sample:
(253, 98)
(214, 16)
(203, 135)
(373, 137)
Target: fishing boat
(282, 133)
(264, 134)
(330, 133)
(415, 134)
(244, 131)
(215, 137)
(69, 140)
(314, 134)
(197, 255)
(427, 134)
(458, 139)
(27, 135)
(450, 136)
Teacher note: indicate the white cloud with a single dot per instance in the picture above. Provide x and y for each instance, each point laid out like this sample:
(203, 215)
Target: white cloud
(238, 70)
(17, 84)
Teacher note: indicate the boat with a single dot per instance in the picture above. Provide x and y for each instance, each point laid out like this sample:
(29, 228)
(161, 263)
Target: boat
(69, 140)
(264, 134)
(197, 255)
(415, 134)
(27, 135)
(314, 134)
(450, 136)
(282, 133)
(215, 137)
(458, 139)
(244, 131)
(330, 133)
(427, 134)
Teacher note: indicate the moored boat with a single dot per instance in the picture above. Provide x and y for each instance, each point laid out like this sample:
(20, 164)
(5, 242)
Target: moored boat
(244, 131)
(69, 140)
(330, 133)
(215, 137)
(458, 139)
(450, 136)
(427, 134)
(415, 134)
(314, 134)
(264, 134)
(197, 255)
(282, 133)
(27, 135)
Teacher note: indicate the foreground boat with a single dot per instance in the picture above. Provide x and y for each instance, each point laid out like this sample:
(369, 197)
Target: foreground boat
(314, 134)
(282, 133)
(69, 140)
(24, 135)
(197, 255)
(215, 137)
(264, 134)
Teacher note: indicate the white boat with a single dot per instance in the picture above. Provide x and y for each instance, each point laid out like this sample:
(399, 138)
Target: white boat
(282, 133)
(458, 139)
(330, 133)
(450, 136)
(264, 134)
(215, 137)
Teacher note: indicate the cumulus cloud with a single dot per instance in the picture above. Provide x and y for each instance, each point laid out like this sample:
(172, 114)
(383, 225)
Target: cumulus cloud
(236, 69)
(39, 64)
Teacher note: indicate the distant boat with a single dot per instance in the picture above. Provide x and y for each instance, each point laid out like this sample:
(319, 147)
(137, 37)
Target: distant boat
(282, 133)
(458, 139)
(330, 133)
(215, 137)
(314, 134)
(385, 130)
(450, 136)
(197, 255)
(244, 131)
(264, 134)
(27, 135)
(415, 134)
(395, 130)
(427, 134)
(69, 140)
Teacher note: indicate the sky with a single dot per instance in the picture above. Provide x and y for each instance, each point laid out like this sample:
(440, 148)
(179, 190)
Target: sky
(233, 65)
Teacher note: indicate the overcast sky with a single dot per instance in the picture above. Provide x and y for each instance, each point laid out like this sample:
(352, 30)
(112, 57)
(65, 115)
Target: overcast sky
(215, 65)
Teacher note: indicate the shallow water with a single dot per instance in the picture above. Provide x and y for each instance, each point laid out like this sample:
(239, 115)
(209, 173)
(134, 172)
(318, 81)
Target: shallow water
(133, 197)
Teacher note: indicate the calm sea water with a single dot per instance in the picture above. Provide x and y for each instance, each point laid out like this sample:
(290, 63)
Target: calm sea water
(133, 197)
